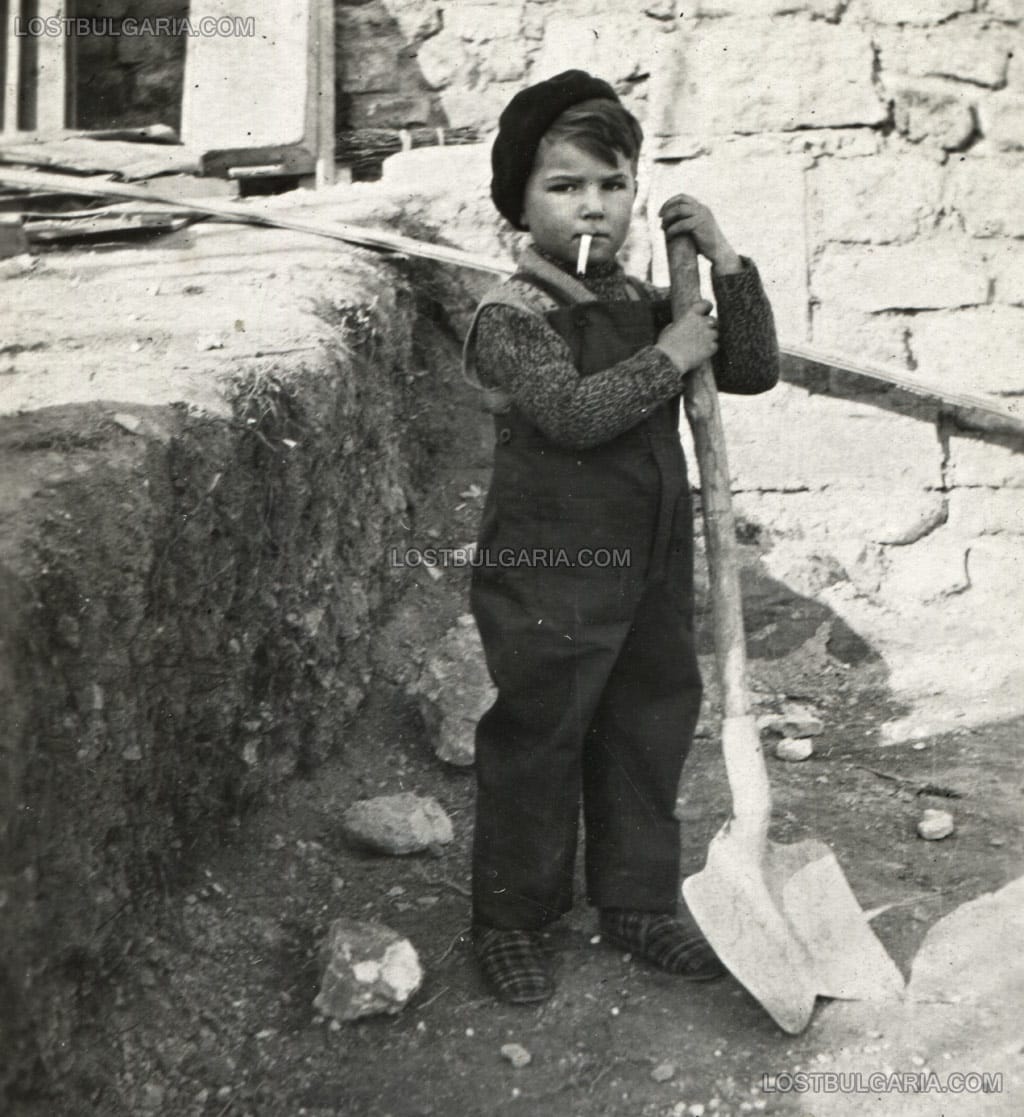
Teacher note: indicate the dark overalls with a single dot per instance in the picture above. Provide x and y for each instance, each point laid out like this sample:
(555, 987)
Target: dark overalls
(596, 670)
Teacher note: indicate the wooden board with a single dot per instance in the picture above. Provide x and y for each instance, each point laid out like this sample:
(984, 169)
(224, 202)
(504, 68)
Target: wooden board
(257, 91)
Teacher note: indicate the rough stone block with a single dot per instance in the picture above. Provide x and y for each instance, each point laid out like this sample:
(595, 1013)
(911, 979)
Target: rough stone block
(477, 107)
(420, 183)
(932, 110)
(443, 59)
(1005, 263)
(859, 334)
(369, 970)
(911, 11)
(1015, 71)
(766, 224)
(432, 170)
(719, 77)
(819, 441)
(931, 569)
(503, 60)
(993, 511)
(824, 521)
(977, 350)
(1005, 9)
(967, 49)
(453, 691)
(875, 200)
(1001, 118)
(617, 47)
(933, 273)
(995, 564)
(414, 19)
(983, 464)
(986, 191)
(484, 23)
(758, 9)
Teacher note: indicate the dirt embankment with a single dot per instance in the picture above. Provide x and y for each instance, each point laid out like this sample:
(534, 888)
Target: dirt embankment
(187, 592)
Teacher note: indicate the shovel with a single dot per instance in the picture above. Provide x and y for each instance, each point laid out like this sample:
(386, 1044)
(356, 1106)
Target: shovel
(782, 918)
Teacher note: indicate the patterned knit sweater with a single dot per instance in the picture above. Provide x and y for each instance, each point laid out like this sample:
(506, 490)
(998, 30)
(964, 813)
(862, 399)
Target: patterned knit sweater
(519, 352)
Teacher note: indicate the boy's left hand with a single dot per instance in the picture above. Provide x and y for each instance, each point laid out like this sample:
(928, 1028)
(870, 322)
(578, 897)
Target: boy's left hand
(685, 214)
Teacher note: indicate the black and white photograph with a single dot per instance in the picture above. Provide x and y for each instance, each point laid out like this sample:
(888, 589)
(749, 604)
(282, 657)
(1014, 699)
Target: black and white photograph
(511, 558)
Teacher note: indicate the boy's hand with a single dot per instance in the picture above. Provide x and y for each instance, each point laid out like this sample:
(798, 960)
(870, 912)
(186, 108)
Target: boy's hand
(684, 214)
(692, 340)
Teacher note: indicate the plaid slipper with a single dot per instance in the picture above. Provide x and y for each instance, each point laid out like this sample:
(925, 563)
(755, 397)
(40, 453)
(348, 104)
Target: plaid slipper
(513, 965)
(674, 945)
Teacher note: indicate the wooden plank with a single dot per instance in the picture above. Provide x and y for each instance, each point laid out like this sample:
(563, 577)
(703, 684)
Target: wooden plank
(325, 167)
(12, 78)
(78, 153)
(993, 416)
(51, 72)
(249, 91)
(333, 230)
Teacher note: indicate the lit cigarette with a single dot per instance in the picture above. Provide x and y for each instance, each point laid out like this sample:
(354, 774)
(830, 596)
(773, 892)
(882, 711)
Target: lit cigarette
(581, 259)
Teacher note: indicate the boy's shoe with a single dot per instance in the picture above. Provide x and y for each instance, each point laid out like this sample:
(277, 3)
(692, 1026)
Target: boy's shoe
(673, 944)
(513, 964)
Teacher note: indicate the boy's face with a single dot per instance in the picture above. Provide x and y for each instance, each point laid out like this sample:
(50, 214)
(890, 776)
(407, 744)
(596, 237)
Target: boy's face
(570, 193)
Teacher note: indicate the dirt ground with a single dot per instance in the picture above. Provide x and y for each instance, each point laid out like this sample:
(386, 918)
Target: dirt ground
(206, 1008)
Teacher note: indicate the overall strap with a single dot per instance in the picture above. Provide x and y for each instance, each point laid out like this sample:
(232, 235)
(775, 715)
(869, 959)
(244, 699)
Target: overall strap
(558, 286)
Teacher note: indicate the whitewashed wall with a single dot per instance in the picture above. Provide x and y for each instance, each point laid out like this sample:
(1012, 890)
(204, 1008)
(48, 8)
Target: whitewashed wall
(869, 155)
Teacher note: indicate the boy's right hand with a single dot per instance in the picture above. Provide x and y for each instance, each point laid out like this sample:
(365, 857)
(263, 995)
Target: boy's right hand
(691, 340)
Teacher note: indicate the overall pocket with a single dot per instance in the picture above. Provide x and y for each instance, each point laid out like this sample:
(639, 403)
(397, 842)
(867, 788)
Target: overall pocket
(574, 560)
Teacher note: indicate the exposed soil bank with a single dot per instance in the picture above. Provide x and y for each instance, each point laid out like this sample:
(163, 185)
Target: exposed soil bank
(187, 592)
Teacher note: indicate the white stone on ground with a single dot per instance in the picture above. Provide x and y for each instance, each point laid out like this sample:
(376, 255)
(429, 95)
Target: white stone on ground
(369, 969)
(935, 825)
(403, 823)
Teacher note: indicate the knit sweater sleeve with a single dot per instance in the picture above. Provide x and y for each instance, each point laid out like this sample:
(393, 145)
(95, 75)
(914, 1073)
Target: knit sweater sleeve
(747, 361)
(520, 352)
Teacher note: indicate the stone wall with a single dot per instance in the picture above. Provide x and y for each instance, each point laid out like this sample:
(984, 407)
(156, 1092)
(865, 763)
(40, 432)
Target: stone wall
(869, 156)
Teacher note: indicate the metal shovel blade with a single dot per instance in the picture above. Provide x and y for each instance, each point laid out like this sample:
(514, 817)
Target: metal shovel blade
(730, 900)
(782, 918)
(788, 927)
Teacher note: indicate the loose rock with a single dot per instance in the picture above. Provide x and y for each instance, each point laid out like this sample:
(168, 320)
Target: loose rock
(403, 823)
(794, 749)
(663, 1072)
(369, 970)
(517, 1055)
(453, 691)
(935, 825)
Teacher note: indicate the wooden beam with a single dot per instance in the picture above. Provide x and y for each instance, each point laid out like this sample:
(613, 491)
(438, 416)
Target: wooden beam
(991, 415)
(324, 89)
(12, 78)
(51, 72)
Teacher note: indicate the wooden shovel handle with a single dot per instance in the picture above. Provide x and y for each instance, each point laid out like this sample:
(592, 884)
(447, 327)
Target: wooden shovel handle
(701, 401)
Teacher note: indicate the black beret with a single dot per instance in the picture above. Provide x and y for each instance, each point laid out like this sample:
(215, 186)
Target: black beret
(521, 126)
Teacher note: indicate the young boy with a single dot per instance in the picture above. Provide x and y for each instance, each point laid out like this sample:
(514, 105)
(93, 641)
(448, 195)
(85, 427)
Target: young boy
(583, 591)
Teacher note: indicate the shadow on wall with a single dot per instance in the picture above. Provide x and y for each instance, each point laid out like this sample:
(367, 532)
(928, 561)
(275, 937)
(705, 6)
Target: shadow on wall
(127, 81)
(779, 621)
